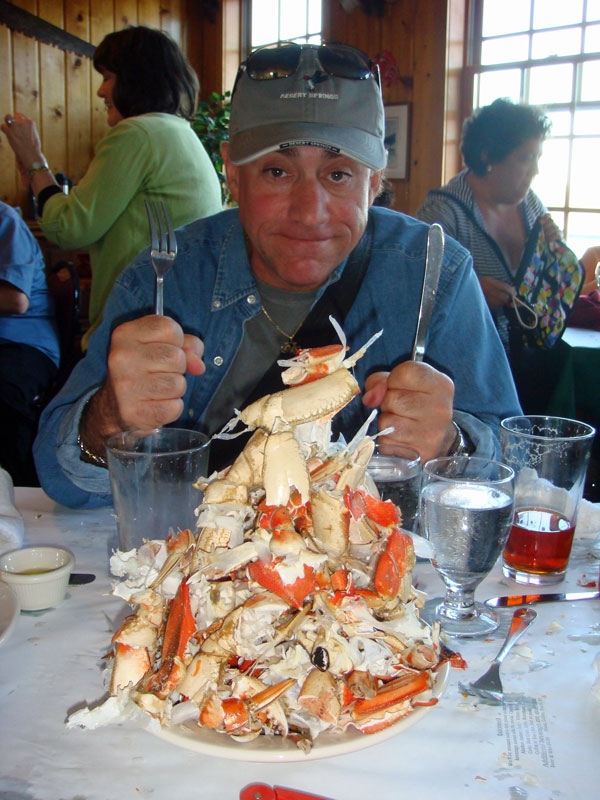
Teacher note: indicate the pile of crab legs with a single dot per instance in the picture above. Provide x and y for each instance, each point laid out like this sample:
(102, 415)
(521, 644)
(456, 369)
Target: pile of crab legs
(291, 610)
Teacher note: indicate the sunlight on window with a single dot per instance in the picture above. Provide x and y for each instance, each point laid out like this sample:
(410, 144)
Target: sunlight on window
(505, 16)
(551, 182)
(552, 84)
(593, 10)
(584, 192)
(555, 13)
(590, 81)
(583, 231)
(592, 39)
(561, 123)
(586, 122)
(503, 83)
(282, 20)
(494, 51)
(265, 22)
(555, 43)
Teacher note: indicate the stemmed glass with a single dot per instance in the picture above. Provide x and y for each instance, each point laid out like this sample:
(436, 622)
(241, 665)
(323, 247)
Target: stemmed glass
(466, 512)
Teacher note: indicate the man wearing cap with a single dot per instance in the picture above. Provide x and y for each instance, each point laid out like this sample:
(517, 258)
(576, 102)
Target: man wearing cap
(304, 164)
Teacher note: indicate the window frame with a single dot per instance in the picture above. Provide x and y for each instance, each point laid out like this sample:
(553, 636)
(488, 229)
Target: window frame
(246, 26)
(474, 68)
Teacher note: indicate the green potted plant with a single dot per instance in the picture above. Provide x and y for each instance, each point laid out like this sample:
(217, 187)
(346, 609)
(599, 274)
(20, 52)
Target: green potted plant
(211, 125)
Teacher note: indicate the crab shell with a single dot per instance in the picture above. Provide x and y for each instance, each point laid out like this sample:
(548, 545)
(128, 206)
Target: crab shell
(304, 403)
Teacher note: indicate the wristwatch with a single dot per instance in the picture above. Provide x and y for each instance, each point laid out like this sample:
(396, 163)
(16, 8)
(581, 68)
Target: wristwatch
(89, 456)
(85, 454)
(462, 445)
(38, 166)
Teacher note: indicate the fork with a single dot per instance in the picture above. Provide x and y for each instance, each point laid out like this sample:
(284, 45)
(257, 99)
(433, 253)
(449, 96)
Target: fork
(489, 686)
(163, 246)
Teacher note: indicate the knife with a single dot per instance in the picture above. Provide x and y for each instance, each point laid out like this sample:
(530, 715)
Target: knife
(79, 578)
(527, 599)
(433, 267)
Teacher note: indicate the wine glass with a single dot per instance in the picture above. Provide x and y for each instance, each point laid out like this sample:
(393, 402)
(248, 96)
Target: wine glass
(466, 513)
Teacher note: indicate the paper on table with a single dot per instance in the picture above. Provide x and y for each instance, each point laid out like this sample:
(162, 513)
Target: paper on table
(11, 521)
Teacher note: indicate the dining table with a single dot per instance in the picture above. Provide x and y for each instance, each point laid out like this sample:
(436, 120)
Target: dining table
(577, 391)
(541, 743)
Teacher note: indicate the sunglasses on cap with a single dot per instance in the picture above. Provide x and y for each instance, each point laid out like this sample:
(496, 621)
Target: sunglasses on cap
(272, 62)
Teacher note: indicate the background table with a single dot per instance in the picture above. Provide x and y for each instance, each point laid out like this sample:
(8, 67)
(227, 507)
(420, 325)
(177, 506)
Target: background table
(578, 390)
(545, 747)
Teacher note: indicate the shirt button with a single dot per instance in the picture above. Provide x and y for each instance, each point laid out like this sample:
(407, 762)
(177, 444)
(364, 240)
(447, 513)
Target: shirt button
(216, 304)
(218, 361)
(251, 299)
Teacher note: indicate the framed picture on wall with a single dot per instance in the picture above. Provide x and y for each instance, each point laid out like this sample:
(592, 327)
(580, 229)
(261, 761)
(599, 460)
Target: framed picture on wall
(396, 140)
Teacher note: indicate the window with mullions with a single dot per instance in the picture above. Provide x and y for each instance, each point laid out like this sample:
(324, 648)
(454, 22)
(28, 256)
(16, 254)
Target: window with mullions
(273, 21)
(547, 53)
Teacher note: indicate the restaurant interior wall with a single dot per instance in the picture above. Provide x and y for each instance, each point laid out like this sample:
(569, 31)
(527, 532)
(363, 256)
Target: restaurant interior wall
(58, 89)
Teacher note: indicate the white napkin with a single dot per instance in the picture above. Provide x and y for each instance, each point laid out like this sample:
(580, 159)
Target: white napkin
(11, 521)
(588, 519)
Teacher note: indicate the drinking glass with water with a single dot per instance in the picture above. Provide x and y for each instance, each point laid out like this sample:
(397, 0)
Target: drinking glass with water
(398, 478)
(466, 512)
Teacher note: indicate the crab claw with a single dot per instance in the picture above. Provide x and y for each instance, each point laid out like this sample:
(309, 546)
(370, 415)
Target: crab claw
(130, 666)
(319, 696)
(370, 714)
(383, 512)
(392, 564)
(181, 624)
(265, 573)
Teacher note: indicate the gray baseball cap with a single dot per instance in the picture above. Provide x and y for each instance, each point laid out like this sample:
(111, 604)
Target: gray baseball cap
(311, 106)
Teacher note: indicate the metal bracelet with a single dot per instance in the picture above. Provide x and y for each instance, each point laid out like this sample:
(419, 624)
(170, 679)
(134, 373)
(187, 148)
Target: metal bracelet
(88, 456)
(461, 446)
(38, 166)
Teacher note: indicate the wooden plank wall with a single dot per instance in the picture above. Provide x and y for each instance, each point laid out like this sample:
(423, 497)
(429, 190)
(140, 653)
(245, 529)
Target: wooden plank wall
(58, 89)
(414, 33)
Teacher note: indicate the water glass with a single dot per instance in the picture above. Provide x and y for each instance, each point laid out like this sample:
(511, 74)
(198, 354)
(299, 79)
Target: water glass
(152, 476)
(466, 512)
(398, 478)
(550, 456)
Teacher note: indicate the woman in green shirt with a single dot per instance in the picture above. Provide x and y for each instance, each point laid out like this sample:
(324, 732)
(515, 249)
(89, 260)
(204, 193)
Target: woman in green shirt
(150, 92)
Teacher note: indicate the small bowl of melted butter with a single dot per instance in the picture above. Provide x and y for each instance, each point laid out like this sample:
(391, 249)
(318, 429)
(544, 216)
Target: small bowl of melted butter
(39, 576)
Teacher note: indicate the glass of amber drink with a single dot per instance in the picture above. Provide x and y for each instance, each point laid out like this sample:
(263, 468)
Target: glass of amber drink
(550, 456)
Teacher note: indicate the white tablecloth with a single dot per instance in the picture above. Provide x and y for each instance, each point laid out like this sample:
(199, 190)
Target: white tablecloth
(582, 337)
(547, 746)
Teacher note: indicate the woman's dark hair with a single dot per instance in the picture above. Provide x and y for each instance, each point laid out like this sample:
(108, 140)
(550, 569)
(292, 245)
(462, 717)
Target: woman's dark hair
(494, 131)
(386, 195)
(152, 73)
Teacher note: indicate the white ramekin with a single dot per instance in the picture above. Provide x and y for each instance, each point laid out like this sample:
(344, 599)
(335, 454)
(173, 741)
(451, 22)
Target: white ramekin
(37, 590)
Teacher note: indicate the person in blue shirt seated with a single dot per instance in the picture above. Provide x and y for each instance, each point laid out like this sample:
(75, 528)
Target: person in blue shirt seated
(29, 349)
(304, 169)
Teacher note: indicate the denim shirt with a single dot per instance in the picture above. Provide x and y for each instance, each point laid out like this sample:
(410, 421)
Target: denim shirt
(211, 292)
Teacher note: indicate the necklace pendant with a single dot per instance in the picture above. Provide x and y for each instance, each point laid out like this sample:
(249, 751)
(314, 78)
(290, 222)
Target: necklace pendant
(289, 348)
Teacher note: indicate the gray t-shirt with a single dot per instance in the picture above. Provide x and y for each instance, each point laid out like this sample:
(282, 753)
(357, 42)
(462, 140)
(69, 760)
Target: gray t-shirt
(261, 345)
